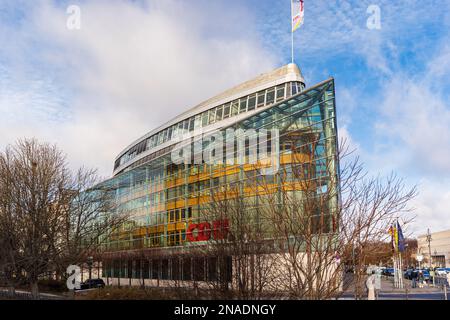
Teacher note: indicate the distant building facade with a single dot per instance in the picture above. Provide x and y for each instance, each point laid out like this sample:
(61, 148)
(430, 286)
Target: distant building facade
(440, 249)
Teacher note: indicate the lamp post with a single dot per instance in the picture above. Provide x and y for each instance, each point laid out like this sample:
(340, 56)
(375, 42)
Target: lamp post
(90, 261)
(429, 245)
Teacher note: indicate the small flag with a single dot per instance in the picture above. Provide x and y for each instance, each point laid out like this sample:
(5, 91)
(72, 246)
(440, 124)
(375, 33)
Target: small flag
(298, 14)
(400, 238)
(393, 233)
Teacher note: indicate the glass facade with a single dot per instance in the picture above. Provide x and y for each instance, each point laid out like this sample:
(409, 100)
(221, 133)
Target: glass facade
(164, 199)
(209, 117)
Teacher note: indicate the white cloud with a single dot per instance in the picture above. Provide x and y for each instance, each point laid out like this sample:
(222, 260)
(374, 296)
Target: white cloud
(413, 138)
(130, 68)
(432, 206)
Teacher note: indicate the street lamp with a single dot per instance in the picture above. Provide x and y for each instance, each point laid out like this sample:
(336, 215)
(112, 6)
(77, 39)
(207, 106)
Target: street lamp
(90, 262)
(429, 244)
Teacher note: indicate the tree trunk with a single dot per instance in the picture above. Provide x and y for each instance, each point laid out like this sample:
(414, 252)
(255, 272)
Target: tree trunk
(35, 290)
(11, 291)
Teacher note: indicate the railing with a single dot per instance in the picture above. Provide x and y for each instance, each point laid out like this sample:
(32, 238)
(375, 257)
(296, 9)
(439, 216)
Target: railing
(23, 295)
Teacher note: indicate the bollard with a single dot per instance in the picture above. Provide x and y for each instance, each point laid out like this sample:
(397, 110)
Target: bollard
(445, 291)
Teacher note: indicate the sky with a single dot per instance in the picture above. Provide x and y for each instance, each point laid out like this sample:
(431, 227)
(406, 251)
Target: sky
(133, 65)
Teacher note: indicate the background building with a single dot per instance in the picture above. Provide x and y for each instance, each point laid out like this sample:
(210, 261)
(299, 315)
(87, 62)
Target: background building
(440, 249)
(166, 202)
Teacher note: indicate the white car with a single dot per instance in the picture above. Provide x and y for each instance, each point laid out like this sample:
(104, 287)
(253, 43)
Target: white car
(441, 272)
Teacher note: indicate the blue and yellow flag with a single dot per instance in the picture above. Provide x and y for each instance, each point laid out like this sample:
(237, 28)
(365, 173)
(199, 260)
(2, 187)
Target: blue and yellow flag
(397, 238)
(400, 238)
(298, 14)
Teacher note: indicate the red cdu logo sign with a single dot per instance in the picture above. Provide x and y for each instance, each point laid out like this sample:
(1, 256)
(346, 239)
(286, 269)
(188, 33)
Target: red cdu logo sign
(202, 231)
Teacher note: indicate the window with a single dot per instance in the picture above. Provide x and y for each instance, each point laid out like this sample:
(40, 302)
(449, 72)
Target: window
(165, 269)
(174, 131)
(242, 105)
(219, 113)
(199, 269)
(294, 88)
(198, 121)
(155, 269)
(187, 275)
(191, 124)
(280, 93)
(212, 116)
(212, 269)
(251, 102)
(235, 108)
(205, 119)
(270, 96)
(226, 110)
(261, 98)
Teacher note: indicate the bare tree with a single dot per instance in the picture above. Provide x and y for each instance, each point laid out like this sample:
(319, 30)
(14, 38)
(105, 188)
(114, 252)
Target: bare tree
(322, 219)
(291, 233)
(239, 244)
(49, 217)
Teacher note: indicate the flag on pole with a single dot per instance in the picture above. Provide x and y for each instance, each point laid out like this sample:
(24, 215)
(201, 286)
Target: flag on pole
(298, 14)
(400, 238)
(394, 237)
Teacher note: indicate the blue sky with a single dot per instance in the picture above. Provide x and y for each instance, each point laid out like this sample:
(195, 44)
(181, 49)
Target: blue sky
(136, 64)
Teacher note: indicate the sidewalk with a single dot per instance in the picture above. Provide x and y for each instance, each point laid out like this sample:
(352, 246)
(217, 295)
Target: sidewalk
(387, 286)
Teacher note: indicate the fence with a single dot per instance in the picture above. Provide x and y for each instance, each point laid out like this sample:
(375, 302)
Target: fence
(23, 295)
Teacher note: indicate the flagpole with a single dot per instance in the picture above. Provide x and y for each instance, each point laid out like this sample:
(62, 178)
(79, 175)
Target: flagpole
(292, 47)
(292, 35)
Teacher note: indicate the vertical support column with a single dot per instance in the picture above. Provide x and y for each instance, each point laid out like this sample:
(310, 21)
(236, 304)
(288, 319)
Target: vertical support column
(327, 106)
(165, 163)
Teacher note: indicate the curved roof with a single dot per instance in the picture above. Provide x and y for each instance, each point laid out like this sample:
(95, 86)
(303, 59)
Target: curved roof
(287, 73)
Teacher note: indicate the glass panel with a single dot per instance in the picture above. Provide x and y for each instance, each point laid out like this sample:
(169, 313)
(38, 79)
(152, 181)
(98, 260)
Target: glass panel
(280, 93)
(198, 121)
(226, 110)
(219, 113)
(261, 98)
(242, 105)
(294, 88)
(251, 102)
(205, 119)
(270, 96)
(212, 116)
(235, 108)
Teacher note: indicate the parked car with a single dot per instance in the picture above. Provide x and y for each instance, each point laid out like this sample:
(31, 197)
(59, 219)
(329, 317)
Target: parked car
(410, 273)
(441, 272)
(388, 272)
(92, 283)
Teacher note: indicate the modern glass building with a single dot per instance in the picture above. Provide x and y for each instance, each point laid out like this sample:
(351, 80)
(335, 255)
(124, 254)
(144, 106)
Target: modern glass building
(166, 201)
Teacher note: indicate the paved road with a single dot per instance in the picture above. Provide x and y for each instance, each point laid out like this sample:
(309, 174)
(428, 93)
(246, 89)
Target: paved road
(414, 296)
(426, 293)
